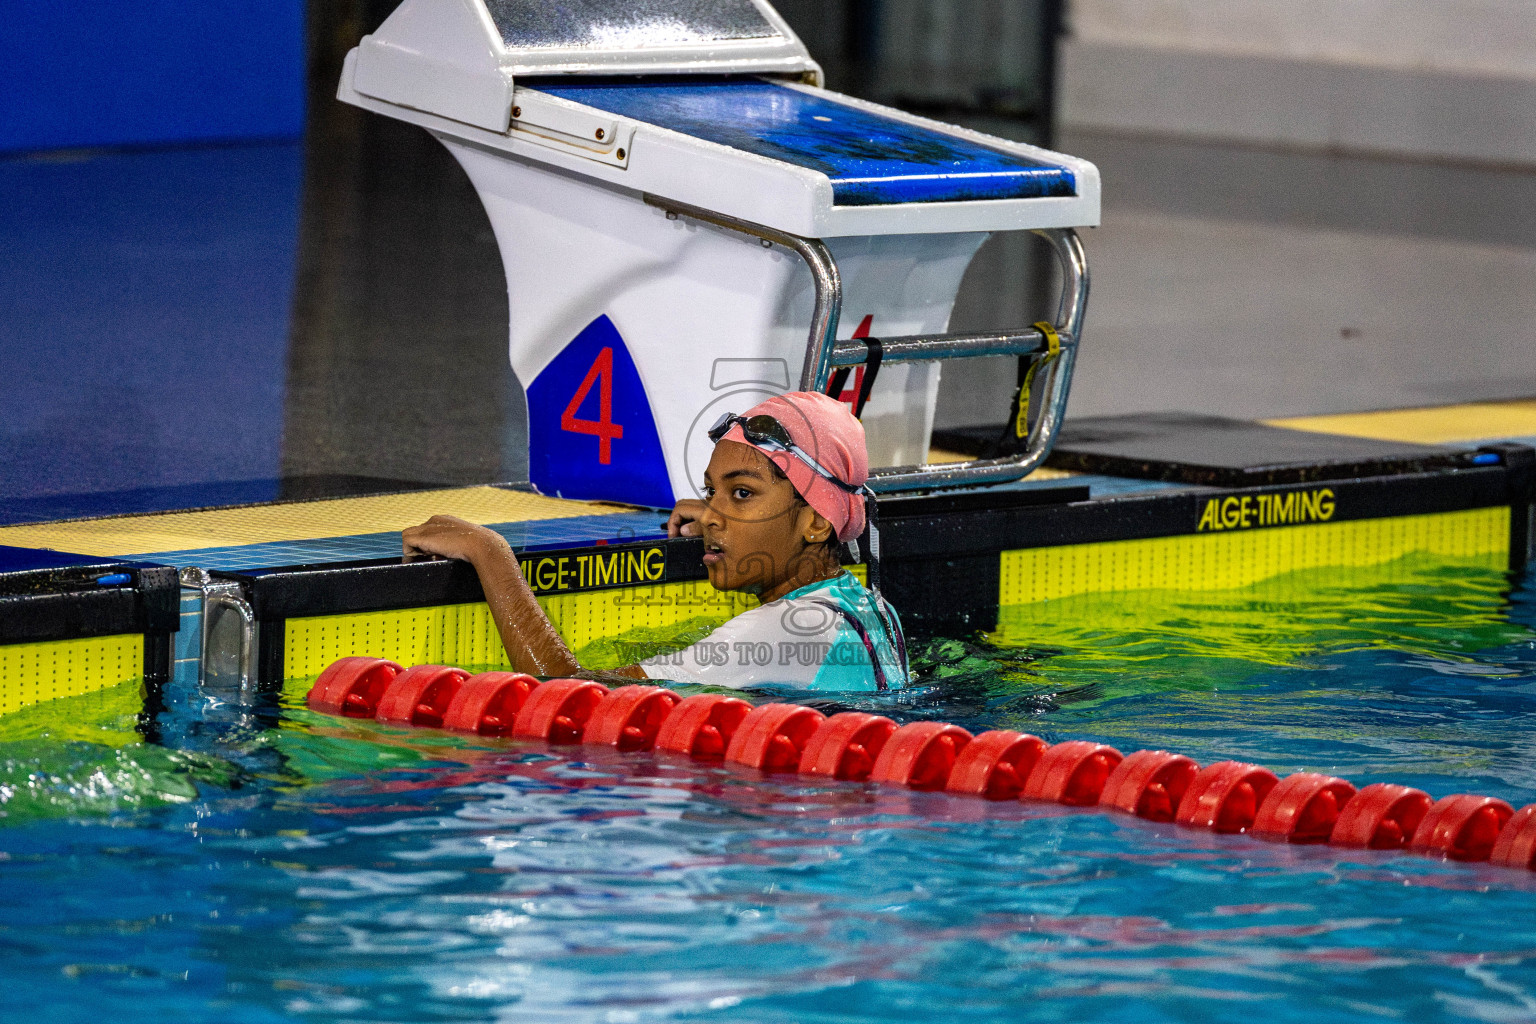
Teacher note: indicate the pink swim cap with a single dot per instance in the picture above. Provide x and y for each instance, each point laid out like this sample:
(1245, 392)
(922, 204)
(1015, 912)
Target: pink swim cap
(824, 429)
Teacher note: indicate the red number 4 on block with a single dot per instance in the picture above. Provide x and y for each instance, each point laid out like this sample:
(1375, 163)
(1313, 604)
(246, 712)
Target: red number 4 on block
(603, 428)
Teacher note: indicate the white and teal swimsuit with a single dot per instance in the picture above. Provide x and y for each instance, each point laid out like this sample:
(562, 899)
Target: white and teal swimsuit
(830, 636)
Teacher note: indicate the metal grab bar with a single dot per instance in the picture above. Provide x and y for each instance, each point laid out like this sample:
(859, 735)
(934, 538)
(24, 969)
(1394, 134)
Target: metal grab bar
(226, 659)
(824, 351)
(921, 348)
(1055, 388)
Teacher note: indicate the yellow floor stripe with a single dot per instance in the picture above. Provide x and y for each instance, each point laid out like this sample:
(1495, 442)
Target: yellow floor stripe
(938, 456)
(308, 520)
(1047, 473)
(1476, 421)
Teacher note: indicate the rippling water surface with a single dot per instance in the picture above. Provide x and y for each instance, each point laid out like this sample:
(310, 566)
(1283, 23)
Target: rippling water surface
(284, 865)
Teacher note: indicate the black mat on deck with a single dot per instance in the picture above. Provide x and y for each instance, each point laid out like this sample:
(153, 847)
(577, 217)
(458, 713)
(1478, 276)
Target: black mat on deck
(1214, 451)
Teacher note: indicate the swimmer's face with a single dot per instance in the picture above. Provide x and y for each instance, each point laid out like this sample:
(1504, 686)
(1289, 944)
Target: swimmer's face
(755, 526)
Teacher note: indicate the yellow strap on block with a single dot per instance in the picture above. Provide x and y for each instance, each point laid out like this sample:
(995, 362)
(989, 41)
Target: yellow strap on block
(1021, 403)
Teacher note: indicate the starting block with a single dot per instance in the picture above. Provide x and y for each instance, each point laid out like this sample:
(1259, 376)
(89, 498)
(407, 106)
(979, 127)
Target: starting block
(689, 223)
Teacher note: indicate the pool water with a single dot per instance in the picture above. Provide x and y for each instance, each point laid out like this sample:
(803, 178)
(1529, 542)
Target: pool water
(277, 865)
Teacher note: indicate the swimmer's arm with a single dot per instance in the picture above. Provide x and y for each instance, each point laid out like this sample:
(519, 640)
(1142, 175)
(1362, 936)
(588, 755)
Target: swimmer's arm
(530, 639)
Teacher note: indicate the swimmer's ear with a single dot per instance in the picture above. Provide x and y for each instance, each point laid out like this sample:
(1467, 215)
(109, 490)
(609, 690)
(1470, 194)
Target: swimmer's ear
(814, 527)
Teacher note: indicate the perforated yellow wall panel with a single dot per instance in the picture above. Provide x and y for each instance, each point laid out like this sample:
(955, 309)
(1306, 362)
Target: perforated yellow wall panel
(306, 520)
(33, 673)
(458, 634)
(464, 634)
(603, 614)
(1222, 561)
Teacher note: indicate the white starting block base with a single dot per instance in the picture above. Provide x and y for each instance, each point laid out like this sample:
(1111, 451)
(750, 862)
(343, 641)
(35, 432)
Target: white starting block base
(712, 320)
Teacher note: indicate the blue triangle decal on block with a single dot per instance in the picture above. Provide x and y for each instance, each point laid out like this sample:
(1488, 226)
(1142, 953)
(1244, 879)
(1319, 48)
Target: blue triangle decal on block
(590, 429)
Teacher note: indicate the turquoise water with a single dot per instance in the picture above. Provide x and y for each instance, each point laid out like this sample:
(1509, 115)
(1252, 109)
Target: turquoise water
(293, 867)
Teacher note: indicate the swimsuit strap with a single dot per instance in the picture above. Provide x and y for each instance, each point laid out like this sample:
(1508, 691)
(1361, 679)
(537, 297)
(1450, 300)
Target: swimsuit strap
(894, 632)
(881, 685)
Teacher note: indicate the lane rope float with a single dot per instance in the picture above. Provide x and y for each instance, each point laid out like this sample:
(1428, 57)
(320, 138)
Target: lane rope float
(1228, 797)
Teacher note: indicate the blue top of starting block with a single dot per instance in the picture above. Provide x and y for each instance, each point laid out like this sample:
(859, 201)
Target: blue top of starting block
(872, 160)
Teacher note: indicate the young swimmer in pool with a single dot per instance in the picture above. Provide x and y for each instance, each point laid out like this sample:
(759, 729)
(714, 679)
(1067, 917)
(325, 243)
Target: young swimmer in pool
(783, 488)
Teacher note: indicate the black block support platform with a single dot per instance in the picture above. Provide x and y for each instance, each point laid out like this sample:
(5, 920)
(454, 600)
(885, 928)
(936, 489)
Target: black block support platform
(1214, 451)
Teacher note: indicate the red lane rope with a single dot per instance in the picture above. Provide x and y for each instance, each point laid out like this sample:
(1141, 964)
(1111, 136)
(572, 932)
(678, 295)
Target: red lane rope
(1225, 797)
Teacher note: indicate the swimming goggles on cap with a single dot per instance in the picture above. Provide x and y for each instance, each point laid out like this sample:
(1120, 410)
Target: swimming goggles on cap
(766, 432)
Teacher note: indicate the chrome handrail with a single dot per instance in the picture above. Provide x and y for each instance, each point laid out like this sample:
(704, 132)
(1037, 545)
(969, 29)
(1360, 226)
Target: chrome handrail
(824, 351)
(224, 597)
(921, 348)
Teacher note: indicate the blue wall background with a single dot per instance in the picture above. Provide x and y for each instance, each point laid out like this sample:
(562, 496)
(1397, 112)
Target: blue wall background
(83, 73)
(144, 319)
(151, 173)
